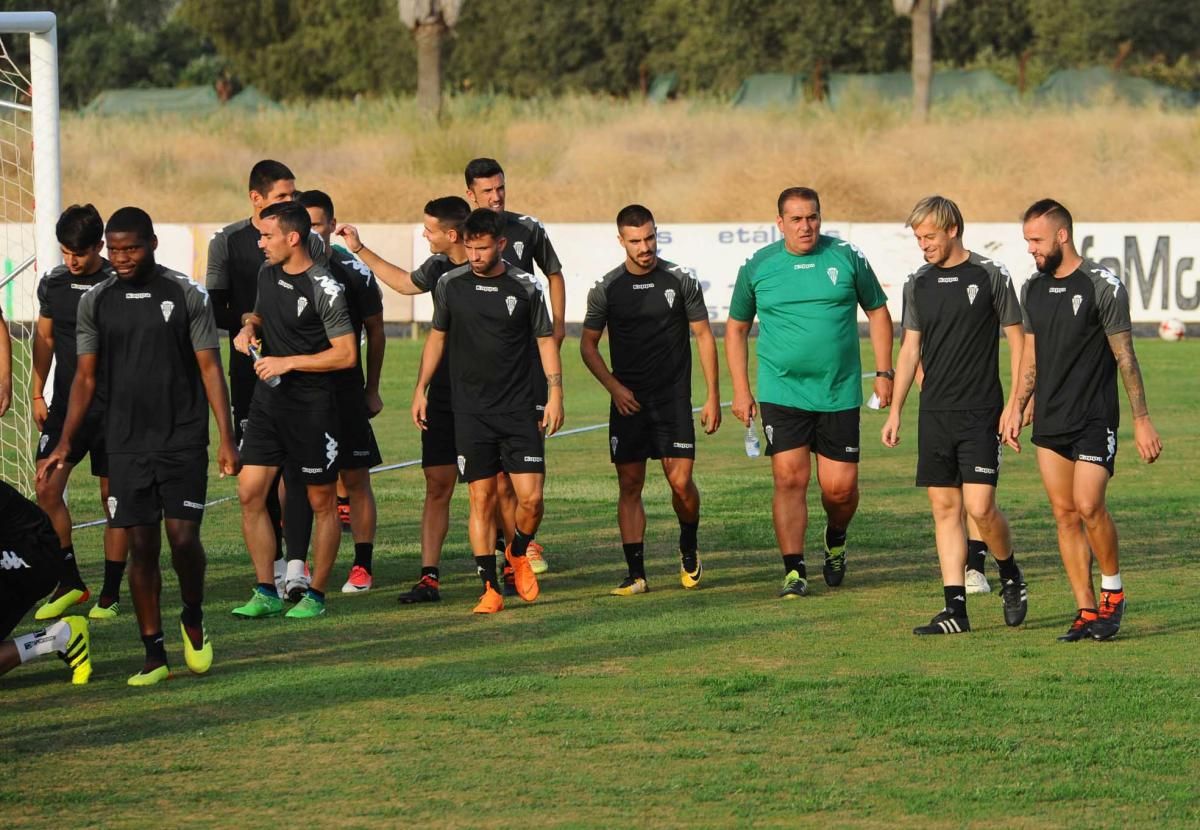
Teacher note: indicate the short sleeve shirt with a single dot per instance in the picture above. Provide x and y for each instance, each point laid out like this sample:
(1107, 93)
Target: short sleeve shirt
(426, 277)
(648, 317)
(806, 304)
(959, 312)
(363, 300)
(58, 293)
(487, 321)
(1071, 319)
(528, 243)
(301, 314)
(145, 333)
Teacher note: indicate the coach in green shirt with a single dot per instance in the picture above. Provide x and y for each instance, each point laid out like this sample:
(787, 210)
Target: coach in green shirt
(805, 290)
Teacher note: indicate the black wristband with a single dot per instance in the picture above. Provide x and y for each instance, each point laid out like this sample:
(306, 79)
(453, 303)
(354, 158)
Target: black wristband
(890, 374)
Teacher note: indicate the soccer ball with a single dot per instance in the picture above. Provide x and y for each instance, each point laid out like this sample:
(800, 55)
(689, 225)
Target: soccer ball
(1172, 330)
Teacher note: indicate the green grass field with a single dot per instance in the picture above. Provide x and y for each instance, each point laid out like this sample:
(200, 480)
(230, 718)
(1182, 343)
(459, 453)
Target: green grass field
(716, 708)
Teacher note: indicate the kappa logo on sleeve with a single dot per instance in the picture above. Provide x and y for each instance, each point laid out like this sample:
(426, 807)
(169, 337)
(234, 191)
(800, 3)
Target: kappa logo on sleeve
(10, 561)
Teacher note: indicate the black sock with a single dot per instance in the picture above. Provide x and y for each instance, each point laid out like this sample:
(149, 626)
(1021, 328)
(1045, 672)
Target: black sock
(956, 600)
(501, 544)
(795, 562)
(835, 537)
(71, 577)
(343, 501)
(156, 650)
(635, 553)
(485, 566)
(363, 553)
(269, 589)
(433, 572)
(316, 594)
(520, 543)
(1008, 568)
(976, 554)
(114, 572)
(687, 536)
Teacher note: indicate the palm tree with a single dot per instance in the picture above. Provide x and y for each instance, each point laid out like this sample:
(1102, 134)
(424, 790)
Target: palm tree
(923, 14)
(429, 21)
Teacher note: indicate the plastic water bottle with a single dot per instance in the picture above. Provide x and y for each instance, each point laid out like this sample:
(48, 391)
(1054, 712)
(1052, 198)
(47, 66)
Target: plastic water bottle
(273, 382)
(753, 450)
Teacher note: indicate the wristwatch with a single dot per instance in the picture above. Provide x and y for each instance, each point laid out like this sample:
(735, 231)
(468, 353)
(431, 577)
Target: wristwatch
(890, 374)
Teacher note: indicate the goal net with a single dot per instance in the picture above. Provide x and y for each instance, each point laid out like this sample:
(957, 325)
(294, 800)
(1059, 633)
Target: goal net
(29, 206)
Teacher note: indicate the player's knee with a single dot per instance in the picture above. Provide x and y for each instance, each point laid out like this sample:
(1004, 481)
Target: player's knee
(1091, 511)
(839, 494)
(183, 536)
(49, 494)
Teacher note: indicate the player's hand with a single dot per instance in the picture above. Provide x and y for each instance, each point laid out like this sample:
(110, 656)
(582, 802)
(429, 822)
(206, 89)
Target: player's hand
(374, 404)
(419, 406)
(40, 413)
(624, 401)
(228, 460)
(1010, 429)
(710, 416)
(349, 234)
(1027, 415)
(271, 367)
(883, 390)
(244, 339)
(54, 461)
(1145, 438)
(890, 434)
(744, 408)
(552, 417)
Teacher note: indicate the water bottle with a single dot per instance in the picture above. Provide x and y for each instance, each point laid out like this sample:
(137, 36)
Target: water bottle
(273, 382)
(753, 450)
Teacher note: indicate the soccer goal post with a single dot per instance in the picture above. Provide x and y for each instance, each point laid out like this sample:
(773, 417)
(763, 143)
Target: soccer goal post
(30, 203)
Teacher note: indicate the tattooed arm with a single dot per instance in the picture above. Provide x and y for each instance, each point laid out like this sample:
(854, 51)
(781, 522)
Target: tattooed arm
(1145, 436)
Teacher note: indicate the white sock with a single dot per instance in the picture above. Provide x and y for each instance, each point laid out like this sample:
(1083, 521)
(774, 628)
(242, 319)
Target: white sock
(295, 569)
(279, 568)
(52, 638)
(1110, 583)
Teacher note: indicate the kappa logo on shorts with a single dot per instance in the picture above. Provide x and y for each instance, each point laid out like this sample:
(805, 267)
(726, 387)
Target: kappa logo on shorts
(833, 275)
(851, 449)
(681, 446)
(462, 465)
(9, 561)
(511, 303)
(536, 459)
(519, 248)
(612, 443)
(1095, 459)
(42, 442)
(167, 307)
(1076, 302)
(112, 507)
(331, 447)
(991, 471)
(301, 304)
(770, 431)
(194, 505)
(670, 295)
(972, 293)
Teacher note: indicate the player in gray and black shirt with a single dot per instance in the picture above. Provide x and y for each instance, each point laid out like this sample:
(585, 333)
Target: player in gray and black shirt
(306, 336)
(1077, 337)
(80, 232)
(147, 336)
(444, 220)
(484, 313)
(526, 244)
(648, 306)
(954, 309)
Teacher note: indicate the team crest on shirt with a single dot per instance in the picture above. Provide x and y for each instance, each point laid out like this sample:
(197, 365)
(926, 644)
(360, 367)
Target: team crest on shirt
(833, 275)
(301, 304)
(511, 302)
(770, 431)
(112, 507)
(972, 293)
(519, 247)
(670, 295)
(462, 465)
(1076, 302)
(612, 442)
(167, 307)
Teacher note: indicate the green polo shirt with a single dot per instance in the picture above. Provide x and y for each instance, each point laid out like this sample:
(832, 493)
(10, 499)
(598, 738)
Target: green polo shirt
(807, 322)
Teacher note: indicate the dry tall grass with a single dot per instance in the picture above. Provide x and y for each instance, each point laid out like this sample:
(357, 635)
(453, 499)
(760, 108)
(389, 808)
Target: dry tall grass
(580, 159)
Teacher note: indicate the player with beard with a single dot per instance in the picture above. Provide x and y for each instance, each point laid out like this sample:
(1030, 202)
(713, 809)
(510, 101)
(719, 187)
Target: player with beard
(484, 313)
(80, 232)
(648, 306)
(306, 337)
(147, 336)
(526, 243)
(954, 307)
(1077, 338)
(444, 219)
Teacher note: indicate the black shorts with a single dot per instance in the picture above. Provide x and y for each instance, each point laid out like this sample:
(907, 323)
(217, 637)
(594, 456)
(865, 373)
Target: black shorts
(147, 487)
(831, 434)
(309, 437)
(357, 447)
(242, 380)
(509, 442)
(658, 430)
(437, 439)
(1095, 443)
(89, 440)
(958, 447)
(27, 573)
